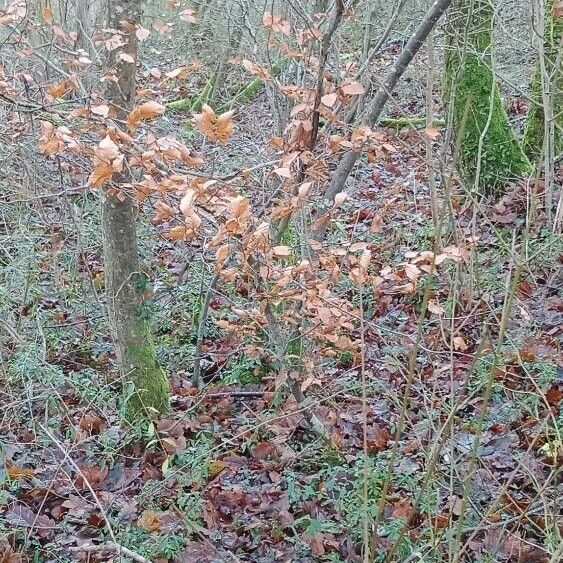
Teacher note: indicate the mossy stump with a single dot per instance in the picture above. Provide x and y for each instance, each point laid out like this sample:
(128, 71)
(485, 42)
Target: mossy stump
(490, 155)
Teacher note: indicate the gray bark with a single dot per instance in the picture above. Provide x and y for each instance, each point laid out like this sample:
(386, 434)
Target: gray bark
(126, 285)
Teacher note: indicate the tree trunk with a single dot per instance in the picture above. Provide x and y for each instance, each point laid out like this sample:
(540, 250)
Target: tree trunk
(126, 286)
(553, 71)
(490, 155)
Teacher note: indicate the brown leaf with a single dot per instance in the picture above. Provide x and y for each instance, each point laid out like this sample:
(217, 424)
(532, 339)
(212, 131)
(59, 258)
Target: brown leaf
(144, 112)
(15, 472)
(91, 423)
(276, 23)
(215, 127)
(262, 450)
(47, 15)
(460, 344)
(22, 516)
(554, 396)
(107, 160)
(58, 90)
(352, 88)
(92, 475)
(281, 251)
(329, 99)
(377, 437)
(255, 69)
(149, 521)
(188, 16)
(402, 509)
(142, 33)
(100, 109)
(432, 133)
(216, 467)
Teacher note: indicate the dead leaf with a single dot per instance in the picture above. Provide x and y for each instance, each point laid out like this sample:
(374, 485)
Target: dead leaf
(92, 475)
(108, 159)
(352, 88)
(276, 23)
(329, 99)
(142, 33)
(377, 437)
(149, 521)
(100, 109)
(433, 307)
(58, 90)
(144, 112)
(215, 127)
(432, 133)
(216, 467)
(402, 509)
(460, 344)
(91, 423)
(188, 16)
(47, 15)
(126, 57)
(281, 251)
(15, 472)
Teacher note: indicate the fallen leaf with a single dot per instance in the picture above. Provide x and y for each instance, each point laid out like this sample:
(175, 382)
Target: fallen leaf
(352, 88)
(281, 251)
(216, 467)
(432, 133)
(149, 521)
(126, 57)
(15, 472)
(188, 16)
(100, 109)
(142, 33)
(402, 509)
(460, 344)
(377, 437)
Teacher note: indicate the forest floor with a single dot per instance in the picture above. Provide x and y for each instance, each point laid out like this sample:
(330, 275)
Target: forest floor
(238, 472)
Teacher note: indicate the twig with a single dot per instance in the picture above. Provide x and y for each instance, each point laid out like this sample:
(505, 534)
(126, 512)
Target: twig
(113, 543)
(202, 321)
(235, 394)
(111, 546)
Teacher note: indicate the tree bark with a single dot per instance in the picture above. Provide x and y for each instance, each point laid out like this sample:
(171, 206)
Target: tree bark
(490, 155)
(126, 285)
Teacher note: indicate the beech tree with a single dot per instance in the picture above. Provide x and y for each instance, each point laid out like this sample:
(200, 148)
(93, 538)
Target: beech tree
(490, 155)
(126, 284)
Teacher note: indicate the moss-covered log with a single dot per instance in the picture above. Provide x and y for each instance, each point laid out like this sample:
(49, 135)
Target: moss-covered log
(490, 156)
(244, 95)
(553, 59)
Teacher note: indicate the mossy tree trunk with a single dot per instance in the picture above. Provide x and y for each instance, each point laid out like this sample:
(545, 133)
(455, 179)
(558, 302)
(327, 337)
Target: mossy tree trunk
(126, 286)
(553, 61)
(490, 155)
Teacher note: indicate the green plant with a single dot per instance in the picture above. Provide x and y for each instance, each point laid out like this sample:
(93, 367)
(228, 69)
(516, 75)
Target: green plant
(191, 505)
(243, 370)
(170, 546)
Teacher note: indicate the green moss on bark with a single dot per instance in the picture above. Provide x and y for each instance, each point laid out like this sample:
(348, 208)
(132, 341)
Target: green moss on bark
(150, 385)
(535, 124)
(479, 117)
